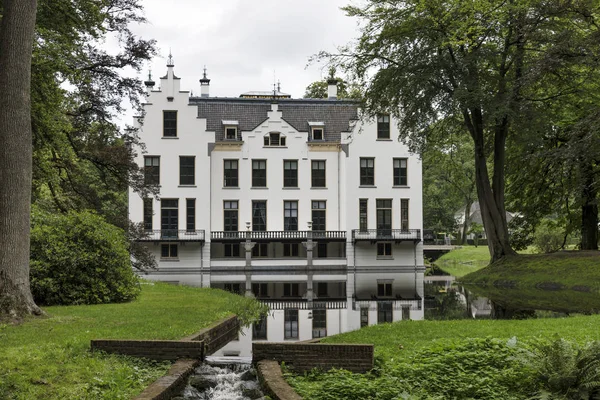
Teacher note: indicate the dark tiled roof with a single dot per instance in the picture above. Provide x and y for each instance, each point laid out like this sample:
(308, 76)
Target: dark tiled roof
(337, 115)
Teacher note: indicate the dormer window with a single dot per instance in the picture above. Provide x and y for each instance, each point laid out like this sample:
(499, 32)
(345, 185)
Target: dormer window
(274, 139)
(230, 130)
(317, 130)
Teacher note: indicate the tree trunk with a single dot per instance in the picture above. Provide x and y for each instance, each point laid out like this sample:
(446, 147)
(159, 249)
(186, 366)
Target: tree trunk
(16, 40)
(589, 211)
(467, 221)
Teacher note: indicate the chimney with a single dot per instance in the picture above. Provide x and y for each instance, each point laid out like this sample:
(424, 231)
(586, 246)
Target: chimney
(204, 84)
(149, 83)
(331, 88)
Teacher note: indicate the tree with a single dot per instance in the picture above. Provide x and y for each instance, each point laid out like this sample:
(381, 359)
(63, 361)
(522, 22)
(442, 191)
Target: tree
(16, 40)
(318, 89)
(483, 62)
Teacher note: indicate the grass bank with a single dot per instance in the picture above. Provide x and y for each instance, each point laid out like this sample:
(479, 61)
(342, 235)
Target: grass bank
(464, 260)
(49, 358)
(464, 359)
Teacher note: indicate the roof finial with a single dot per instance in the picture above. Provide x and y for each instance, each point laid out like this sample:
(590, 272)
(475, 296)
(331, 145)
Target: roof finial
(170, 59)
(149, 82)
(278, 86)
(204, 73)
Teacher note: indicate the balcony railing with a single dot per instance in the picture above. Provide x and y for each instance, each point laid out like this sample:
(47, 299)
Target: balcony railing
(387, 234)
(413, 304)
(166, 235)
(277, 235)
(303, 304)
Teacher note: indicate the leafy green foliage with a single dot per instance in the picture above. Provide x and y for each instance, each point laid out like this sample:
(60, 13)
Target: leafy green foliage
(548, 238)
(79, 258)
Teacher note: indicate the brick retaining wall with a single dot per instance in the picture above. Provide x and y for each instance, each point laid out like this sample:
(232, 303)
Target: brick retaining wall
(272, 382)
(154, 349)
(306, 356)
(217, 335)
(172, 384)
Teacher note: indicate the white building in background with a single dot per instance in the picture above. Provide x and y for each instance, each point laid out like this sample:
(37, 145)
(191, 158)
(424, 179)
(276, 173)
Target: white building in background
(294, 201)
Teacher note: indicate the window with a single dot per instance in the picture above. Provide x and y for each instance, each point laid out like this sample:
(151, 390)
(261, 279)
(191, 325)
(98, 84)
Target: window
(319, 323)
(152, 170)
(318, 215)
(364, 317)
(233, 287)
(230, 173)
(187, 170)
(400, 172)
(190, 208)
(384, 289)
(384, 312)
(274, 139)
(259, 173)
(290, 249)
(362, 215)
(384, 217)
(169, 217)
(367, 171)
(291, 290)
(230, 216)
(260, 250)
(168, 250)
(170, 123)
(260, 289)
(384, 249)
(318, 133)
(230, 133)
(321, 249)
(290, 215)
(231, 249)
(322, 289)
(290, 173)
(383, 126)
(318, 173)
(290, 324)
(148, 214)
(259, 329)
(404, 214)
(259, 216)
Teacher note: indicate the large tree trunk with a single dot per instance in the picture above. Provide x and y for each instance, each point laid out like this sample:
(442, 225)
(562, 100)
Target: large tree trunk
(589, 211)
(16, 41)
(467, 221)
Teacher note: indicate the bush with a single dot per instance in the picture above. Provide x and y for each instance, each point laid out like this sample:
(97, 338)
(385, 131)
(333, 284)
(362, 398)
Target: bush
(79, 258)
(547, 239)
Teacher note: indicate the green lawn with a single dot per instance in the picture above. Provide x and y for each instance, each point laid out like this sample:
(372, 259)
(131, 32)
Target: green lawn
(49, 358)
(464, 260)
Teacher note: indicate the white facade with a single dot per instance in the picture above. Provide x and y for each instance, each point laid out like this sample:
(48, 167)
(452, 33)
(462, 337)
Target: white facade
(232, 214)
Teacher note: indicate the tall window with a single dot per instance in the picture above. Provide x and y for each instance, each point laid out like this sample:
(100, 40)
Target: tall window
(233, 288)
(291, 290)
(319, 323)
(290, 215)
(260, 250)
(274, 139)
(168, 251)
(383, 126)
(259, 173)
(259, 329)
(187, 170)
(384, 216)
(367, 171)
(321, 249)
(384, 312)
(318, 173)
(231, 249)
(259, 215)
(291, 249)
(404, 214)
(260, 289)
(230, 215)
(148, 214)
(290, 324)
(384, 289)
(290, 173)
(169, 213)
(190, 220)
(152, 170)
(170, 123)
(400, 172)
(362, 214)
(364, 317)
(230, 173)
(318, 215)
(322, 289)
(384, 249)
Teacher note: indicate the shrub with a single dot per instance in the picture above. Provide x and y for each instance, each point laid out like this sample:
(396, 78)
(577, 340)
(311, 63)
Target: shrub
(547, 239)
(79, 258)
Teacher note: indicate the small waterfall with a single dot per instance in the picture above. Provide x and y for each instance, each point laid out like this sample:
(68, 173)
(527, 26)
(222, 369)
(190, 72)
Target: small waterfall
(223, 379)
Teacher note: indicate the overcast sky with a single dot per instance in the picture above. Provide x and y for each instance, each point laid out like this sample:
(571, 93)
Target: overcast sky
(244, 43)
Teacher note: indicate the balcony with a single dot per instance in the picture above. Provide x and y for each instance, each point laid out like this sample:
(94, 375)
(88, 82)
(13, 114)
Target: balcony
(173, 235)
(397, 304)
(303, 304)
(396, 235)
(218, 236)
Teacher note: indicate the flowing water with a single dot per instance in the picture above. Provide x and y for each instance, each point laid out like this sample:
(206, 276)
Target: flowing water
(223, 378)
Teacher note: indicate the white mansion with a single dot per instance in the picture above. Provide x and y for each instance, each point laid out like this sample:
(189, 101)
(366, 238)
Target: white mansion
(294, 201)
